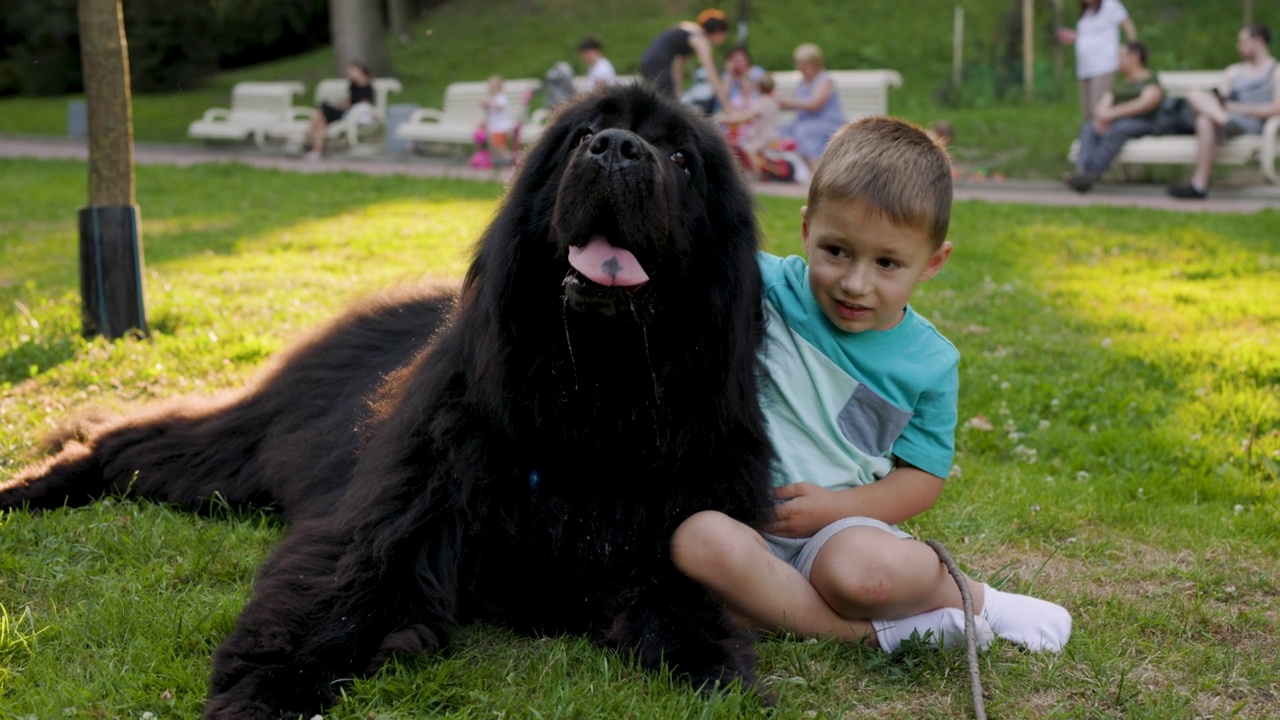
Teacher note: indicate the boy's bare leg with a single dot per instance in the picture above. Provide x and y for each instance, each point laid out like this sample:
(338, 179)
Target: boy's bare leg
(732, 560)
(867, 572)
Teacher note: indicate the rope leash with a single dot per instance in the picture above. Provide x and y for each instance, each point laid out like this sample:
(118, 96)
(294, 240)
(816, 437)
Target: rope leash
(970, 630)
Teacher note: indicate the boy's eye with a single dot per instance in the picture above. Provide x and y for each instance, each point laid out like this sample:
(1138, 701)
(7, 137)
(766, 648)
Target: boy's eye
(887, 263)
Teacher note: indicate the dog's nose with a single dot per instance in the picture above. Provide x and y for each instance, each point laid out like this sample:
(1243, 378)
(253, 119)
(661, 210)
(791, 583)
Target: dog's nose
(616, 149)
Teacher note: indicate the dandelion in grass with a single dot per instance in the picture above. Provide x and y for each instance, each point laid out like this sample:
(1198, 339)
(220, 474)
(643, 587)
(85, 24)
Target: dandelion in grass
(955, 472)
(1044, 424)
(1082, 476)
(1106, 343)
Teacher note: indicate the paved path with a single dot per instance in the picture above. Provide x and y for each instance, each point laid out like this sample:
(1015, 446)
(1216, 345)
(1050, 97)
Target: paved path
(1248, 199)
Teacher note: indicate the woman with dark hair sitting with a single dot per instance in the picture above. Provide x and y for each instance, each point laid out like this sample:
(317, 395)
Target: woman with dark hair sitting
(1126, 111)
(360, 98)
(663, 62)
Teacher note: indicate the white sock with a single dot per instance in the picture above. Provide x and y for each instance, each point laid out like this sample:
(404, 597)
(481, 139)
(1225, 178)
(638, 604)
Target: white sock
(944, 628)
(1030, 622)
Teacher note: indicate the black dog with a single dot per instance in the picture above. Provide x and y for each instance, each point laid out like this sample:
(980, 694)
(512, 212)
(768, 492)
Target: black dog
(594, 385)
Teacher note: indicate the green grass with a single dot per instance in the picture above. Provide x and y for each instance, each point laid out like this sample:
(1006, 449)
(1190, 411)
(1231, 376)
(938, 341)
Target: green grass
(1119, 453)
(996, 128)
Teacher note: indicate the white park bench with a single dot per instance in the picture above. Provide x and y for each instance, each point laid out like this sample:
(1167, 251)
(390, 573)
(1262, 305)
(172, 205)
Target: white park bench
(863, 93)
(1181, 149)
(255, 107)
(455, 122)
(351, 128)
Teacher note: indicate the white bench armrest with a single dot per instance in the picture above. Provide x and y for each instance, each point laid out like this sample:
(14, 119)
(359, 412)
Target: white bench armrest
(1267, 154)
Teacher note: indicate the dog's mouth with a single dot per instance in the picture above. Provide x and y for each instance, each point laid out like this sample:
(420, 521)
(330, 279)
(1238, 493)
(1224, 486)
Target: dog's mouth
(603, 263)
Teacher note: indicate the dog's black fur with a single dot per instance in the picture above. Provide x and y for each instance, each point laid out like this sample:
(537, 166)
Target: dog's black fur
(528, 465)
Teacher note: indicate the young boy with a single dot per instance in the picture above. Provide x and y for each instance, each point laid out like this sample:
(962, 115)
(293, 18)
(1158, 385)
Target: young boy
(861, 404)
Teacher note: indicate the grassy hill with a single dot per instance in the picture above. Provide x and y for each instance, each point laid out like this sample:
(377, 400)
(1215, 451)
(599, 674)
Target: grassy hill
(995, 125)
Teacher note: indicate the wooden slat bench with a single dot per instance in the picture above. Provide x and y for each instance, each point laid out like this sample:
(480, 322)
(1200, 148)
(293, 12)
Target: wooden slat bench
(255, 107)
(1181, 149)
(455, 122)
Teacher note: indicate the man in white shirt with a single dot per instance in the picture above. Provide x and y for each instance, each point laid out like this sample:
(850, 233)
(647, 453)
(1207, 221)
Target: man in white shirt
(600, 71)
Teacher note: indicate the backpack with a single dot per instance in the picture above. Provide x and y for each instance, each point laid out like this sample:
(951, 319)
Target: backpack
(1174, 116)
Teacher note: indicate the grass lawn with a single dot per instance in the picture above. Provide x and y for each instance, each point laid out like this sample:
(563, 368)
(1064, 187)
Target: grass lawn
(1119, 453)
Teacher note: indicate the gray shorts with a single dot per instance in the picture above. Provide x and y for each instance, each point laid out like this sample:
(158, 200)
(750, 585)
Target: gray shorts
(800, 553)
(1238, 124)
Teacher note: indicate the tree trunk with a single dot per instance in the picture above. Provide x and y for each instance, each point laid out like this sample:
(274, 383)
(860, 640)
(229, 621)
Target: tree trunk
(359, 36)
(401, 15)
(104, 59)
(110, 242)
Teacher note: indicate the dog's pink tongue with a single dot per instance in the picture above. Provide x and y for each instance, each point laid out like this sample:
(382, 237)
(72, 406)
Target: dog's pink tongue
(607, 265)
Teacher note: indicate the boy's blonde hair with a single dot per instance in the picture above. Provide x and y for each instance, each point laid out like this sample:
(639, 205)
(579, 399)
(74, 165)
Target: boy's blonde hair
(765, 83)
(895, 168)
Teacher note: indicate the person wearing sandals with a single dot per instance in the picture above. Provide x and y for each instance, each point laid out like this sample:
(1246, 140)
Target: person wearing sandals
(1248, 96)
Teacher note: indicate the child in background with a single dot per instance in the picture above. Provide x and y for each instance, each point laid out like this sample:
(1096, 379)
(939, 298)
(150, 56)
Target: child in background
(498, 124)
(757, 125)
(860, 398)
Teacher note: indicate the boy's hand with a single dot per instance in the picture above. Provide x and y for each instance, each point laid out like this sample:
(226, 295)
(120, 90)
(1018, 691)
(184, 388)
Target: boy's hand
(806, 510)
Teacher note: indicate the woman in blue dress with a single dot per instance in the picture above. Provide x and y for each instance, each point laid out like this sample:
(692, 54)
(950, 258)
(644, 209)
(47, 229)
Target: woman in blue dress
(817, 105)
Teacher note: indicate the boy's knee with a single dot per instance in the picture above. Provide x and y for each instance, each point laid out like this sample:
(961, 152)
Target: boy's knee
(709, 540)
(858, 566)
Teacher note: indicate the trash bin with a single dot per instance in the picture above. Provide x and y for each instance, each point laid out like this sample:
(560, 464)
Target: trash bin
(77, 120)
(396, 115)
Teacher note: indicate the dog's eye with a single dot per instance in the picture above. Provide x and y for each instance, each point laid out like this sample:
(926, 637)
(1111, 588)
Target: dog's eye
(679, 158)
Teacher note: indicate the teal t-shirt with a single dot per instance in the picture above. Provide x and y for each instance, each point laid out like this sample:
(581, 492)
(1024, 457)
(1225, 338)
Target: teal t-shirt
(841, 406)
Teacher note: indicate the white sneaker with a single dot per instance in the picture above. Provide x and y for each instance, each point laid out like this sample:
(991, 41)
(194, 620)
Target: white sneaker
(313, 156)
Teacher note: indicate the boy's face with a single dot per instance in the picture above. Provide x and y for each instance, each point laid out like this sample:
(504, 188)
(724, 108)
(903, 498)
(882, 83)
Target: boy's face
(862, 267)
(590, 56)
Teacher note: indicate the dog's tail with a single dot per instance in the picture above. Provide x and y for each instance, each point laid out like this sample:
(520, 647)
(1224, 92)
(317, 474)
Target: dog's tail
(187, 451)
(287, 440)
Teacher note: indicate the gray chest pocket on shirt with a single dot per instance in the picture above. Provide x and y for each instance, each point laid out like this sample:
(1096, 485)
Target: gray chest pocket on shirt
(870, 422)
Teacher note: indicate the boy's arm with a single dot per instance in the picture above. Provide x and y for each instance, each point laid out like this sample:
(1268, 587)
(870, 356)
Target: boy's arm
(901, 495)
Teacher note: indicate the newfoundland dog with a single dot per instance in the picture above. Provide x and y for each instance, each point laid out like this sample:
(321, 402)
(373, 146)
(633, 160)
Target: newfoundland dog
(520, 451)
